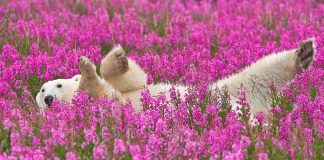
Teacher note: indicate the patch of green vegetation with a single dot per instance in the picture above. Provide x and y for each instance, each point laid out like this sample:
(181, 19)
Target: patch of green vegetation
(277, 37)
(23, 45)
(197, 17)
(86, 151)
(128, 49)
(251, 153)
(111, 13)
(37, 126)
(98, 69)
(160, 26)
(273, 152)
(18, 91)
(265, 39)
(225, 106)
(29, 141)
(5, 140)
(21, 42)
(98, 129)
(44, 45)
(80, 9)
(127, 156)
(60, 150)
(156, 79)
(312, 92)
(176, 78)
(269, 21)
(318, 148)
(214, 47)
(105, 48)
(34, 84)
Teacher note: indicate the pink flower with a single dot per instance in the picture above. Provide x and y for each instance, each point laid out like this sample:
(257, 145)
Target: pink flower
(99, 152)
(119, 146)
(191, 43)
(135, 151)
(275, 110)
(72, 156)
(262, 156)
(260, 117)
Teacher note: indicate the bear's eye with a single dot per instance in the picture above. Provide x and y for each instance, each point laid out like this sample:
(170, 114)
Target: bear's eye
(43, 90)
(59, 86)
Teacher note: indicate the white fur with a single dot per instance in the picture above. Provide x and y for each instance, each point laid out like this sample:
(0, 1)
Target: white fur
(65, 93)
(278, 68)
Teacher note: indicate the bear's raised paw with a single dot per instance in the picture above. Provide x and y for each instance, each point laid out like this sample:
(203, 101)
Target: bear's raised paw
(305, 54)
(86, 67)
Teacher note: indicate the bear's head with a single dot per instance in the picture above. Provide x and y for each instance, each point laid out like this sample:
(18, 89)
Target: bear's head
(59, 89)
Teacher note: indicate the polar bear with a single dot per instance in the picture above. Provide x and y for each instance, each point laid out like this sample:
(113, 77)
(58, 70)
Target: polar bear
(124, 79)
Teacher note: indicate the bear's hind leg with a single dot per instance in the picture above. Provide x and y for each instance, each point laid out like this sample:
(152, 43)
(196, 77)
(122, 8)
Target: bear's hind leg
(305, 54)
(124, 74)
(114, 64)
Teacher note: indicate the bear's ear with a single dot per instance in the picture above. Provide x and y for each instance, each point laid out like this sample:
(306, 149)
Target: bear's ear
(76, 77)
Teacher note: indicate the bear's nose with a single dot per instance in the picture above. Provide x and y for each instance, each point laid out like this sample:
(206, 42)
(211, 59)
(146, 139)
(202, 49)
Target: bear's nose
(49, 100)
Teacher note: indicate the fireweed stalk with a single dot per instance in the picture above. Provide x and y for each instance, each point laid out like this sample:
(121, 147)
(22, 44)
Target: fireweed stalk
(188, 42)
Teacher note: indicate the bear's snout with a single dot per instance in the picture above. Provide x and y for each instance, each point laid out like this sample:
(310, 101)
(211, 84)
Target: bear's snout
(49, 100)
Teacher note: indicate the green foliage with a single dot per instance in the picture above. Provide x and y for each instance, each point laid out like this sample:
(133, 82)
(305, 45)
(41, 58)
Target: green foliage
(80, 8)
(312, 92)
(273, 152)
(105, 48)
(251, 152)
(318, 148)
(214, 47)
(86, 151)
(128, 49)
(111, 13)
(29, 141)
(60, 150)
(176, 78)
(225, 106)
(44, 45)
(34, 83)
(277, 37)
(98, 130)
(23, 45)
(156, 79)
(5, 140)
(98, 69)
(160, 26)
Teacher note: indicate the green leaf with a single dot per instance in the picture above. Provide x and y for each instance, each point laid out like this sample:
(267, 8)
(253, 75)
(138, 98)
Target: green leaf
(105, 48)
(60, 150)
(312, 92)
(318, 148)
(5, 140)
(214, 47)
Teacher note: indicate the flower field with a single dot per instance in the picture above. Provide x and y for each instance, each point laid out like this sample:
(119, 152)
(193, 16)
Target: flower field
(175, 41)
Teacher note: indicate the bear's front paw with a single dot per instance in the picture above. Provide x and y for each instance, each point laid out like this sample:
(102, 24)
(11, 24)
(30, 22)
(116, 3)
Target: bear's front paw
(86, 67)
(305, 54)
